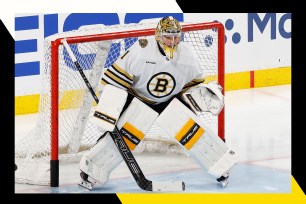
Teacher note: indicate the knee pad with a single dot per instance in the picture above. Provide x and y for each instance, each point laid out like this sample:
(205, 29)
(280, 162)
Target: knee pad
(110, 105)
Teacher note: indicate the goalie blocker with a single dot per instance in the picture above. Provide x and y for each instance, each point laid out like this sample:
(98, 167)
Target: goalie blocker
(203, 144)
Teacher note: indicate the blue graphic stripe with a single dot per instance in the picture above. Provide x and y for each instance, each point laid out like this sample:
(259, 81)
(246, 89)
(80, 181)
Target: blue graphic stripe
(50, 27)
(22, 46)
(26, 23)
(26, 69)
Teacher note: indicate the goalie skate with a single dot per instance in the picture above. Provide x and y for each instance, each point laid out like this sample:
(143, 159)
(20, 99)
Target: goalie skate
(223, 180)
(85, 183)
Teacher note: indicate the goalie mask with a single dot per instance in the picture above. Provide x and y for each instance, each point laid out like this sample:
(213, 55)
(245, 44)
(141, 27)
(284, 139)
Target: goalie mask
(168, 35)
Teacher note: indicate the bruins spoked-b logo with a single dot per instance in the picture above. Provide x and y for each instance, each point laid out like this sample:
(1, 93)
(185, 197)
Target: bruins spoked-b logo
(161, 84)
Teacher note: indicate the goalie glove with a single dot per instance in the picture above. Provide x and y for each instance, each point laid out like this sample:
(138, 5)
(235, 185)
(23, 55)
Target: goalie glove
(205, 98)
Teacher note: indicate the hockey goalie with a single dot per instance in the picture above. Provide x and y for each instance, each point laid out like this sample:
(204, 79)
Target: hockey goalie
(157, 81)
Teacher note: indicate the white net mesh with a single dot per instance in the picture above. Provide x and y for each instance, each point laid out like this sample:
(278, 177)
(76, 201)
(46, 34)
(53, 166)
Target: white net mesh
(76, 134)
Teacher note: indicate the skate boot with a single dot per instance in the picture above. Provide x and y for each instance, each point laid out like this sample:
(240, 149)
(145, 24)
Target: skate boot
(223, 180)
(85, 182)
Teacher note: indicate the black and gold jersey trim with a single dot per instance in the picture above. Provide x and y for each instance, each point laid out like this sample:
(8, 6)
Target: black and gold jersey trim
(146, 100)
(117, 79)
(191, 84)
(122, 71)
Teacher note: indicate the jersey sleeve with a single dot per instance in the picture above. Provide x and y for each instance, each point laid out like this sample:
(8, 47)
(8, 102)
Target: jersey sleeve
(198, 77)
(119, 73)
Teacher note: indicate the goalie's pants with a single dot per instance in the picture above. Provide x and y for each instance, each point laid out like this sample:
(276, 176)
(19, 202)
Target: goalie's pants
(159, 108)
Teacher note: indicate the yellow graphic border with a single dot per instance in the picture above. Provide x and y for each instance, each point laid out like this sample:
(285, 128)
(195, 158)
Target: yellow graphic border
(296, 196)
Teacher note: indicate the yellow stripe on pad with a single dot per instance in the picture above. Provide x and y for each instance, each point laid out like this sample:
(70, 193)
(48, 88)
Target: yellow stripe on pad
(131, 145)
(185, 129)
(135, 132)
(195, 138)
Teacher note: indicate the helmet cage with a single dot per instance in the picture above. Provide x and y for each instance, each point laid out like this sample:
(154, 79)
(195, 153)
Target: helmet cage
(168, 27)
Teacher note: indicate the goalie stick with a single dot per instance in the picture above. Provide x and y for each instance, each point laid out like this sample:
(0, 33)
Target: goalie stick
(125, 152)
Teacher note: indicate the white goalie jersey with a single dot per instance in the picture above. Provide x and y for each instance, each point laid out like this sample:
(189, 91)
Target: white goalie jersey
(144, 71)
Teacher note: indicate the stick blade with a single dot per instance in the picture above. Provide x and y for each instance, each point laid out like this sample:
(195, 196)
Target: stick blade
(168, 186)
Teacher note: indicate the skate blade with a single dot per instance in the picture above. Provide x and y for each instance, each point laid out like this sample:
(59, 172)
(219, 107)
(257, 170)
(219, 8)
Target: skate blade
(86, 184)
(224, 183)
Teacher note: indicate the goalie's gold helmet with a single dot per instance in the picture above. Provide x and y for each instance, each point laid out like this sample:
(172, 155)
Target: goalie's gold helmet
(168, 35)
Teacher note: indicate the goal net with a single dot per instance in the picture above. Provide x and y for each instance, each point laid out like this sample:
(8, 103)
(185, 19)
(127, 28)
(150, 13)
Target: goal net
(63, 131)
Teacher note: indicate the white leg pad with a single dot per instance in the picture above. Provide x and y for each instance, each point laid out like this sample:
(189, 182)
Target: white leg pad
(224, 164)
(135, 122)
(101, 159)
(104, 156)
(203, 144)
(110, 105)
